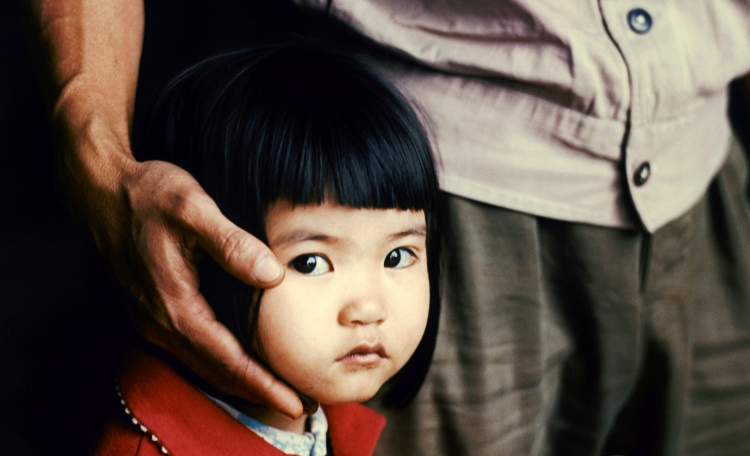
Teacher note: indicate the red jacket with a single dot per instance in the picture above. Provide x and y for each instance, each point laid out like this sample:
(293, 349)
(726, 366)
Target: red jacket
(163, 412)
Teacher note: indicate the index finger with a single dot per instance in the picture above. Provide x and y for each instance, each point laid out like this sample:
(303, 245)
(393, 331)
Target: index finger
(235, 250)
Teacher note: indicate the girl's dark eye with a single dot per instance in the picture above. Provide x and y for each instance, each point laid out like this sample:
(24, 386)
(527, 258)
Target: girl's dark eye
(311, 264)
(399, 258)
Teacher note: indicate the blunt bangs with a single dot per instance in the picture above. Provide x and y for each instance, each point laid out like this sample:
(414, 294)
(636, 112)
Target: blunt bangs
(348, 139)
(296, 122)
(333, 130)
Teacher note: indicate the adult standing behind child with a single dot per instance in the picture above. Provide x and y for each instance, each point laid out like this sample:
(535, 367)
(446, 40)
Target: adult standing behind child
(597, 243)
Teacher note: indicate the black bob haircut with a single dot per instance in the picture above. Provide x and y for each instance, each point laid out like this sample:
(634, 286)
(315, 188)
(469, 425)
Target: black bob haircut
(301, 122)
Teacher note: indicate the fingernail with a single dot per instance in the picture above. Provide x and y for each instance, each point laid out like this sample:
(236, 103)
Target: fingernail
(267, 270)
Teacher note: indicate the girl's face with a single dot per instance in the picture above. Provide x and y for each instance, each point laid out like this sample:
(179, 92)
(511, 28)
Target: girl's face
(354, 303)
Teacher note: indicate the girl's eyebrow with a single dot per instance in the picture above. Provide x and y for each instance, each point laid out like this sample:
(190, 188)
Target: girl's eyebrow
(302, 235)
(420, 230)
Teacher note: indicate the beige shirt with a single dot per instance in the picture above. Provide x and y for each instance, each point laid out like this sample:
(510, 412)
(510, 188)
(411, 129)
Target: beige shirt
(555, 108)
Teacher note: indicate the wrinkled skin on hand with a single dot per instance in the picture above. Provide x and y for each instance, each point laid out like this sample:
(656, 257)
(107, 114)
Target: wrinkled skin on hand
(150, 220)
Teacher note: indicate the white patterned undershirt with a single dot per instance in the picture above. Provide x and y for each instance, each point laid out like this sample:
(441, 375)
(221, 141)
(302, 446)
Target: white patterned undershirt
(312, 443)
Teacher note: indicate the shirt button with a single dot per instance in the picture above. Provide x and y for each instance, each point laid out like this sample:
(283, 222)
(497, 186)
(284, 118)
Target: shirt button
(639, 20)
(642, 174)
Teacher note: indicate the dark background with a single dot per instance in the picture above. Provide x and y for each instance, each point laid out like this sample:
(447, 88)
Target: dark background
(61, 325)
(58, 325)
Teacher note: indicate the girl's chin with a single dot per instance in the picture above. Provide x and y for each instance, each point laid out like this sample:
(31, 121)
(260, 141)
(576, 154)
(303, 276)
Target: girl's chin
(344, 395)
(343, 386)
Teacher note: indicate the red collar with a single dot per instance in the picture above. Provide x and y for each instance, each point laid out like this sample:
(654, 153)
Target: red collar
(187, 423)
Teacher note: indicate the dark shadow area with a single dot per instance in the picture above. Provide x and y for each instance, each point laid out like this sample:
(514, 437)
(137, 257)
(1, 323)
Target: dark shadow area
(640, 426)
(60, 327)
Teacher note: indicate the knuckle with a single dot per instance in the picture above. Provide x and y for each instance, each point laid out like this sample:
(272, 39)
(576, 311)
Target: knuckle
(249, 370)
(183, 206)
(236, 247)
(161, 312)
(221, 377)
(187, 313)
(265, 388)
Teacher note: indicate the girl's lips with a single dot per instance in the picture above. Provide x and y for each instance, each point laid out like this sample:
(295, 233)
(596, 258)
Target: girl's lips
(365, 355)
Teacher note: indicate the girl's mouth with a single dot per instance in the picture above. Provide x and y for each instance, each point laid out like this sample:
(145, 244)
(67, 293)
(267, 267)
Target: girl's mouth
(365, 355)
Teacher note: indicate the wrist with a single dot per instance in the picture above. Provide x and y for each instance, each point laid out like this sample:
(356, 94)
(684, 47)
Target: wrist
(80, 105)
(92, 136)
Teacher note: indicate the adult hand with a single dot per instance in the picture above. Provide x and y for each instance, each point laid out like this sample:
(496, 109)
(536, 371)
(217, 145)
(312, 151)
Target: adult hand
(150, 220)
(168, 217)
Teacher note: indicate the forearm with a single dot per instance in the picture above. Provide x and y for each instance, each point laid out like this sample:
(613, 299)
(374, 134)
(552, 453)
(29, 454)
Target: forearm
(89, 52)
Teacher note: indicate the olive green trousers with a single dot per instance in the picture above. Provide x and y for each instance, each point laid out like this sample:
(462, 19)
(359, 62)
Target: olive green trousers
(560, 338)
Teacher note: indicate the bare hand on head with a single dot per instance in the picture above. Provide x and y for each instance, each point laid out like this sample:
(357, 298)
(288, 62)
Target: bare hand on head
(149, 220)
(170, 217)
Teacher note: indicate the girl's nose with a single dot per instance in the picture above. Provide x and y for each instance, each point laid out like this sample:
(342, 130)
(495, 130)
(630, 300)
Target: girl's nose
(364, 306)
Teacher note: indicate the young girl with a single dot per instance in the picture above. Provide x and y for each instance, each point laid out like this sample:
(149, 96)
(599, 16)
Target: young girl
(311, 152)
